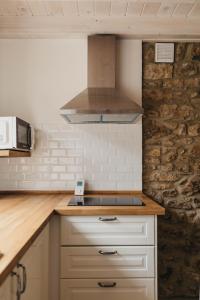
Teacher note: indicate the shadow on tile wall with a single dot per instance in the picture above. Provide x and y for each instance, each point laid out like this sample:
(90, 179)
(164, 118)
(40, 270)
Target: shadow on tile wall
(171, 164)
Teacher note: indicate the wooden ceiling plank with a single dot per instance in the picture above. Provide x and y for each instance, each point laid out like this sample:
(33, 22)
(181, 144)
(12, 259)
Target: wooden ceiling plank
(183, 9)
(23, 8)
(37, 8)
(70, 8)
(86, 8)
(1, 10)
(15, 8)
(54, 8)
(8, 8)
(167, 8)
(135, 8)
(195, 11)
(102, 8)
(151, 8)
(118, 8)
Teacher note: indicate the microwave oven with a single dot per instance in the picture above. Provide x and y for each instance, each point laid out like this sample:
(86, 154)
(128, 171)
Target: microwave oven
(15, 134)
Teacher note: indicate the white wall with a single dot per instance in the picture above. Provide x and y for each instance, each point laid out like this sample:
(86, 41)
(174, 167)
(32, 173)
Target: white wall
(37, 77)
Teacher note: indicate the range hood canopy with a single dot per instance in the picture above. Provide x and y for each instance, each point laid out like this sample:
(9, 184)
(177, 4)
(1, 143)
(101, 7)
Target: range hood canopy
(101, 102)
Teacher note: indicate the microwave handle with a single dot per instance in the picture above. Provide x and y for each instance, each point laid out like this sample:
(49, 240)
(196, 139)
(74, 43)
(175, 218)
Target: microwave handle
(31, 137)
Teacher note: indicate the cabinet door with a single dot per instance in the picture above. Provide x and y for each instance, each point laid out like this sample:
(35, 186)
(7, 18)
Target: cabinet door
(8, 290)
(107, 261)
(107, 230)
(35, 261)
(94, 289)
(5, 290)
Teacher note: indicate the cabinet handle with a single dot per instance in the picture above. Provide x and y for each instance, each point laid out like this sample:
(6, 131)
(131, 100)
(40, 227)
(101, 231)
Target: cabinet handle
(19, 285)
(105, 219)
(107, 252)
(107, 284)
(24, 276)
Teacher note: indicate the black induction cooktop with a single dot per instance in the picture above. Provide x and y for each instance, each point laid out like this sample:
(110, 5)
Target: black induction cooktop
(105, 201)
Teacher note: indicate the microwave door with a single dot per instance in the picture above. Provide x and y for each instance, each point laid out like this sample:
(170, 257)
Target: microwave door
(6, 133)
(23, 134)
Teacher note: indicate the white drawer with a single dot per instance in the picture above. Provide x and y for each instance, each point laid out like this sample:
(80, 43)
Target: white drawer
(105, 262)
(123, 289)
(107, 230)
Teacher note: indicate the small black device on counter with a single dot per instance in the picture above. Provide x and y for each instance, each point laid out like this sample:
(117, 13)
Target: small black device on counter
(105, 201)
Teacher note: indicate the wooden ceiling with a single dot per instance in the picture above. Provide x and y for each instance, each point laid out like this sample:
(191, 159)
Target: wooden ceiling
(161, 19)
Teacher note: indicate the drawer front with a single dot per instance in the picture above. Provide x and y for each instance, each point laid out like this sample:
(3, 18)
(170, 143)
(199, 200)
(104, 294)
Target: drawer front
(106, 262)
(107, 230)
(94, 289)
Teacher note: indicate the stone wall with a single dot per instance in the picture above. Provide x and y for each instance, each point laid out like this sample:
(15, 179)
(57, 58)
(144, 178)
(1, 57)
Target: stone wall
(171, 164)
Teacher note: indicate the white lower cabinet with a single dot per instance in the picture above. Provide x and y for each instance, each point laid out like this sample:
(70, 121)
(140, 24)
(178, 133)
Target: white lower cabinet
(107, 289)
(29, 279)
(108, 257)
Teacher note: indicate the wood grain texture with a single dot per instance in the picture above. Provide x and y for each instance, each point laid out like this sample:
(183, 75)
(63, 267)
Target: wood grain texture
(14, 153)
(23, 215)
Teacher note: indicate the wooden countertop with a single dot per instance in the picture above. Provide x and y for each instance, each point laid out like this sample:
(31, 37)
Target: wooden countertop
(150, 207)
(24, 215)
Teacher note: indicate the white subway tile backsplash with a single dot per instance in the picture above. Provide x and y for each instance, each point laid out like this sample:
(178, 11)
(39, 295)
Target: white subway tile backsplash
(49, 176)
(50, 160)
(58, 169)
(32, 176)
(8, 168)
(58, 152)
(8, 185)
(108, 157)
(42, 168)
(4, 176)
(67, 176)
(66, 160)
(24, 168)
(67, 144)
(53, 145)
(74, 152)
(16, 176)
(74, 169)
(59, 185)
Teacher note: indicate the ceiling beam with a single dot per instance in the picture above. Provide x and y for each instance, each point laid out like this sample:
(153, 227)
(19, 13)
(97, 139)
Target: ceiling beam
(129, 25)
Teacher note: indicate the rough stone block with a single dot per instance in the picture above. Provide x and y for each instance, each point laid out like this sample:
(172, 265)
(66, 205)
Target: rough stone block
(186, 69)
(163, 176)
(173, 83)
(180, 50)
(194, 130)
(157, 71)
(168, 111)
(153, 151)
(149, 52)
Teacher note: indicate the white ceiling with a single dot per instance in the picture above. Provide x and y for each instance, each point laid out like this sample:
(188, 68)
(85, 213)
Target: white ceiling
(161, 19)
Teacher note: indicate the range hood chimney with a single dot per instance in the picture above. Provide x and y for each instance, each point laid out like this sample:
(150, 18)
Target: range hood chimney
(101, 102)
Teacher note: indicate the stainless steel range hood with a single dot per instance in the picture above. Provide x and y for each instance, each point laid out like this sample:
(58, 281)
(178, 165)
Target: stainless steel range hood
(101, 102)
